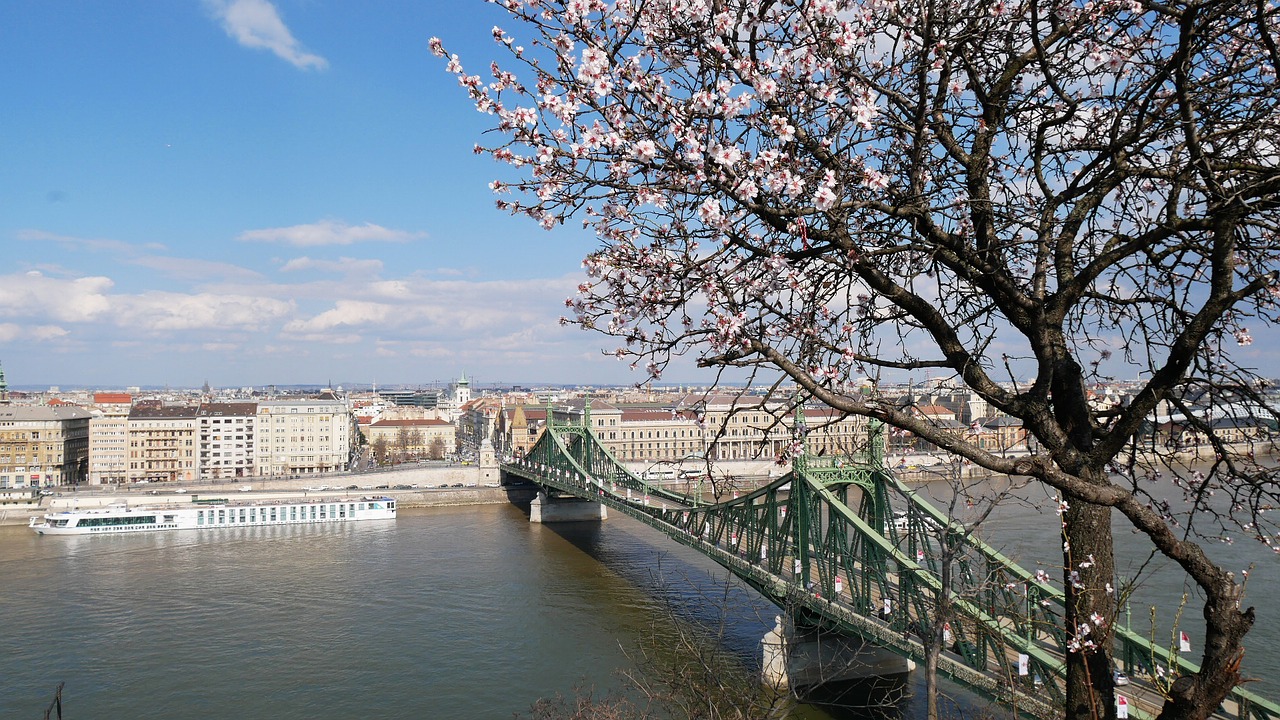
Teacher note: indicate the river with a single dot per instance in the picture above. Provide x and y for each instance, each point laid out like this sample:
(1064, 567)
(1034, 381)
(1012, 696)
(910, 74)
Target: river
(466, 612)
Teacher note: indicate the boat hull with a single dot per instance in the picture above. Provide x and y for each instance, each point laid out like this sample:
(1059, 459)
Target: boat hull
(119, 519)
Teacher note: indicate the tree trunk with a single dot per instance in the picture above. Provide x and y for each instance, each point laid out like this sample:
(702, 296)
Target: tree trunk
(933, 648)
(1088, 573)
(1195, 697)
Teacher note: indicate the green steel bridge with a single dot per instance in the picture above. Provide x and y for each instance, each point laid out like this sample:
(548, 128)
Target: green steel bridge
(842, 545)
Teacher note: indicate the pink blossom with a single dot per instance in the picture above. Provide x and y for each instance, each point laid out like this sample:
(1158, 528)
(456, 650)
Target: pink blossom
(645, 150)
(824, 199)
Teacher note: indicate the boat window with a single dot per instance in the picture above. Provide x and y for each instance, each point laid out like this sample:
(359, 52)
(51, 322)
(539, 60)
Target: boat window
(333, 511)
(293, 513)
(117, 521)
(273, 514)
(342, 511)
(221, 516)
(241, 514)
(360, 507)
(199, 517)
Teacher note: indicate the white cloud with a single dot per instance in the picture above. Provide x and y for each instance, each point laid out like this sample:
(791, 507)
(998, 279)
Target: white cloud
(329, 232)
(47, 332)
(345, 313)
(11, 332)
(33, 294)
(166, 311)
(344, 266)
(257, 24)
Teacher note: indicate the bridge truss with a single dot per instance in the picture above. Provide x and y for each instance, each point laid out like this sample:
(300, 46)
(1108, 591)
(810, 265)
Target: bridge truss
(844, 546)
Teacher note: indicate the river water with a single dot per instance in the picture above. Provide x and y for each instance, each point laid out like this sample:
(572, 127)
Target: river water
(444, 613)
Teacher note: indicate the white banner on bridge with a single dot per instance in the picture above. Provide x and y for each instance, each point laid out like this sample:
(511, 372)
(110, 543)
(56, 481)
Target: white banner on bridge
(1184, 642)
(1122, 707)
(1024, 664)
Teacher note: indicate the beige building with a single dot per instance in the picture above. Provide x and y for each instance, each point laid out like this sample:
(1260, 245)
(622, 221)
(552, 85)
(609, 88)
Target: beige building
(226, 433)
(109, 438)
(688, 429)
(43, 445)
(304, 436)
(162, 443)
(413, 437)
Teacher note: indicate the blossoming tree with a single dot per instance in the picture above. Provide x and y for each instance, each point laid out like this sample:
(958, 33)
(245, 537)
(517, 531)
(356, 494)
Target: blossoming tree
(840, 189)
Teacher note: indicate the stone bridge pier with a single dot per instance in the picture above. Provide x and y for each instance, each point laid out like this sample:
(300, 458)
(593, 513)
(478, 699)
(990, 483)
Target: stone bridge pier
(551, 508)
(796, 658)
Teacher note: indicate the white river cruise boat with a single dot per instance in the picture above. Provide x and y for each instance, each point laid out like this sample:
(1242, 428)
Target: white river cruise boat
(220, 514)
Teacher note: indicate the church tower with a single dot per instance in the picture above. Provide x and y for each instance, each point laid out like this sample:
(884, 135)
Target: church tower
(461, 392)
(4, 388)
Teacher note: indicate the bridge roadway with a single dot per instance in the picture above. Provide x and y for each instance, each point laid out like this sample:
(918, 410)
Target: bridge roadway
(800, 542)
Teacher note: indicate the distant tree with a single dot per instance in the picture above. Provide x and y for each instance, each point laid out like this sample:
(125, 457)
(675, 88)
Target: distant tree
(402, 443)
(1025, 195)
(416, 441)
(435, 449)
(381, 450)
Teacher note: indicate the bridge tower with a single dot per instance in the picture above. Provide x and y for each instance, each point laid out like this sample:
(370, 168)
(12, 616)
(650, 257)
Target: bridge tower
(551, 506)
(799, 654)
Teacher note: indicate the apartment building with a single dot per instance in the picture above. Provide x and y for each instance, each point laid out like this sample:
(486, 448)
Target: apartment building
(226, 438)
(687, 428)
(109, 438)
(304, 435)
(43, 445)
(162, 443)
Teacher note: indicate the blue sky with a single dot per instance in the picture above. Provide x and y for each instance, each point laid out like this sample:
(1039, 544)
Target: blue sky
(251, 192)
(257, 192)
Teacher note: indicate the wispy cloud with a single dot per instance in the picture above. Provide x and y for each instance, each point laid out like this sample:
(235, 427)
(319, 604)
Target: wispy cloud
(344, 266)
(194, 268)
(329, 232)
(257, 24)
(115, 247)
(142, 255)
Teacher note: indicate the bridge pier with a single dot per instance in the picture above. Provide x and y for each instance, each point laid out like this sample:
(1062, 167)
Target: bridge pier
(797, 659)
(548, 509)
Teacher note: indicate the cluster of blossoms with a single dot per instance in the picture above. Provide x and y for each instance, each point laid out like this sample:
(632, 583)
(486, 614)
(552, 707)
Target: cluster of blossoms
(1083, 639)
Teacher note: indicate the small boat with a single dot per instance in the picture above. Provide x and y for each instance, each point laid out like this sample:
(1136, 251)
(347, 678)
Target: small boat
(123, 519)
